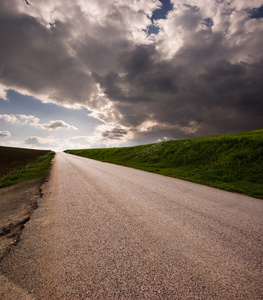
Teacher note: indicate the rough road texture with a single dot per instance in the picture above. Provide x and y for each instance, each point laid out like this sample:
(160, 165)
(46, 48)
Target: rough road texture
(106, 231)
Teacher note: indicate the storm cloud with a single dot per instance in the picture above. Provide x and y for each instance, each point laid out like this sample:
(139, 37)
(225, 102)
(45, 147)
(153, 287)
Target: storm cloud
(200, 74)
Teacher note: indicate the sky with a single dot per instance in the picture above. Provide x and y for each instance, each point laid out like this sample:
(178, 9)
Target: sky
(92, 74)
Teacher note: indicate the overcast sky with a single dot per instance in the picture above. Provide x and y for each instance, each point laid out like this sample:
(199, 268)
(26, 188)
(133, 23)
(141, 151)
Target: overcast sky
(85, 73)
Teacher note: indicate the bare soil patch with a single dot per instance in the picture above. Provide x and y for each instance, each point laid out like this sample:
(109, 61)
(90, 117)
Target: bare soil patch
(11, 158)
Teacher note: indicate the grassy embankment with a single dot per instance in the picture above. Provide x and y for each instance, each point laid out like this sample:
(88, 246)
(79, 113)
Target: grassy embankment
(232, 162)
(23, 164)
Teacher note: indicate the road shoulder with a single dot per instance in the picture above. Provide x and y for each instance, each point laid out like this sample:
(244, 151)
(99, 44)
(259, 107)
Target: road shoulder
(17, 203)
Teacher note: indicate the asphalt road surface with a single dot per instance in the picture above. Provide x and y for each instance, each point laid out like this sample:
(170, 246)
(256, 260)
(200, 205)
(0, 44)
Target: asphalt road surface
(103, 231)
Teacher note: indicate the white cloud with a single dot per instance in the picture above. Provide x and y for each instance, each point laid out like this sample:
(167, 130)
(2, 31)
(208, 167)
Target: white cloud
(5, 134)
(54, 125)
(92, 141)
(3, 91)
(49, 141)
(20, 119)
(82, 142)
(105, 135)
(9, 118)
(28, 119)
(34, 121)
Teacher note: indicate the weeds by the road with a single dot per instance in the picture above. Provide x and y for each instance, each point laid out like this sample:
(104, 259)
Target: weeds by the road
(34, 170)
(232, 162)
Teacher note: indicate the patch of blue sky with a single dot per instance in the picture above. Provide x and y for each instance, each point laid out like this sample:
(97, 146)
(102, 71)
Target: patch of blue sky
(28, 105)
(257, 13)
(208, 22)
(158, 14)
(152, 29)
(162, 12)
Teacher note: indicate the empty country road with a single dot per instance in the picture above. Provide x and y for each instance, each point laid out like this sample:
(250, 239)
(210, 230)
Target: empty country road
(103, 231)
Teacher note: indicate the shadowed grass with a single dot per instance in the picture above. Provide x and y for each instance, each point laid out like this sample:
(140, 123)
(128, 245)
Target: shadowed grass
(34, 170)
(232, 162)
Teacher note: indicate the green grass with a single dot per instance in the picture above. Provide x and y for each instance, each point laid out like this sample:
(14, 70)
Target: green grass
(34, 170)
(232, 162)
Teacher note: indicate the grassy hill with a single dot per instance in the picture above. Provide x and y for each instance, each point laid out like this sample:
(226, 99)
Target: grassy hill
(232, 162)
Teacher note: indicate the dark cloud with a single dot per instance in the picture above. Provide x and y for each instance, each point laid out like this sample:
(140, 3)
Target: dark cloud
(139, 60)
(201, 74)
(114, 134)
(54, 125)
(145, 68)
(144, 77)
(224, 70)
(219, 97)
(36, 58)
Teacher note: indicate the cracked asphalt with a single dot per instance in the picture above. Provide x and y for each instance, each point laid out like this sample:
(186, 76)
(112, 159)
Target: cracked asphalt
(103, 231)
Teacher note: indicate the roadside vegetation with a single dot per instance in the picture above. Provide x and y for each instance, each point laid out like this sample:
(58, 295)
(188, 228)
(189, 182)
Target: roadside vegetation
(37, 168)
(232, 162)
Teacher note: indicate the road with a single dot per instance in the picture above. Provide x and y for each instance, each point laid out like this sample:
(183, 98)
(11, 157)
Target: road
(103, 231)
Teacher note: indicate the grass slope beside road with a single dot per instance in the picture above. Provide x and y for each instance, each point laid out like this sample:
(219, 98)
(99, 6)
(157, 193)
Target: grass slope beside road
(33, 164)
(232, 162)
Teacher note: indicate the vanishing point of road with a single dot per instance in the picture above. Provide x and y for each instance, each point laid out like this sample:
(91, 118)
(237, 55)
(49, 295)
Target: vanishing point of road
(103, 231)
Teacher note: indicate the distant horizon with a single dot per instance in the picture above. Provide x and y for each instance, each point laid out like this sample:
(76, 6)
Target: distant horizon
(61, 150)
